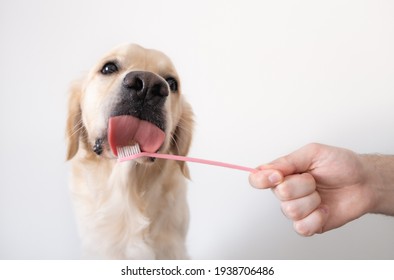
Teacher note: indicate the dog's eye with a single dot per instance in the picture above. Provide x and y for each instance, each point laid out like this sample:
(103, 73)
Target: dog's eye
(109, 68)
(173, 84)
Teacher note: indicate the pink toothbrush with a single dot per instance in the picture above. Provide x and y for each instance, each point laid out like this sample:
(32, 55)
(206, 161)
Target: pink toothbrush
(132, 152)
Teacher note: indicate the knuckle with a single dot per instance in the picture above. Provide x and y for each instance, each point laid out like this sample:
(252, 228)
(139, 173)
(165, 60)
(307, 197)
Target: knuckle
(283, 191)
(313, 146)
(307, 177)
(291, 211)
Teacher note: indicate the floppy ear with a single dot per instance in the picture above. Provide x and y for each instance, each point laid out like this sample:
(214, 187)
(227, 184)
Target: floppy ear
(183, 136)
(74, 120)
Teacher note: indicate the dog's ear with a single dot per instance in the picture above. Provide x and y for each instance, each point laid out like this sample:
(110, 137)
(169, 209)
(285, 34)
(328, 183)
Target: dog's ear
(182, 137)
(74, 120)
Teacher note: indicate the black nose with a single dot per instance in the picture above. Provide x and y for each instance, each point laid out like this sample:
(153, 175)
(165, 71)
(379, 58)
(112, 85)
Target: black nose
(145, 86)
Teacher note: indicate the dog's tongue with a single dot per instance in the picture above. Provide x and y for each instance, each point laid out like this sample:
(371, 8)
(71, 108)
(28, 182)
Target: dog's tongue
(129, 130)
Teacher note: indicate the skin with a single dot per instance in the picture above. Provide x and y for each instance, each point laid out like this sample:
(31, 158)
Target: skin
(322, 187)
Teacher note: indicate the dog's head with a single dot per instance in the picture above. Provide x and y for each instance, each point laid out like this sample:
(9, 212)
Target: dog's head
(132, 95)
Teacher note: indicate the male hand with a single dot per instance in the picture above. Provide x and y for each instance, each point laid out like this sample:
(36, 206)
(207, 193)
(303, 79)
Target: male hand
(320, 187)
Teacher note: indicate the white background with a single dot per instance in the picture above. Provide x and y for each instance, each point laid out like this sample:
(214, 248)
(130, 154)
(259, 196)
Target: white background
(264, 78)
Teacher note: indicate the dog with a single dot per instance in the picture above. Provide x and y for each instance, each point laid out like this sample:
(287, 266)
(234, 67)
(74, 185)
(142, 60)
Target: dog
(134, 209)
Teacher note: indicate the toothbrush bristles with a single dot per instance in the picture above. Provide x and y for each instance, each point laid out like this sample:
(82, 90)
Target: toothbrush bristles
(128, 151)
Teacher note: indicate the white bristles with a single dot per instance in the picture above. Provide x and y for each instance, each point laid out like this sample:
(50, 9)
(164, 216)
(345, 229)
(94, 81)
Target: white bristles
(128, 151)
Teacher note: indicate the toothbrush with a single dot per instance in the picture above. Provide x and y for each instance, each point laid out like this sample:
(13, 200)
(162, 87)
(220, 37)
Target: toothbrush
(127, 153)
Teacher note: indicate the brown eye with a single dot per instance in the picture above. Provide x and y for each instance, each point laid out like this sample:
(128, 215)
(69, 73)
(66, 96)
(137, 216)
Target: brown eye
(109, 68)
(173, 84)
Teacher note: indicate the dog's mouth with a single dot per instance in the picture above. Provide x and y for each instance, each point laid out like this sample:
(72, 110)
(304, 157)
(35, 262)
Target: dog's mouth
(128, 130)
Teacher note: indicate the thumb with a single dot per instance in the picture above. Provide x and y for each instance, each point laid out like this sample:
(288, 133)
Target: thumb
(299, 161)
(265, 178)
(272, 174)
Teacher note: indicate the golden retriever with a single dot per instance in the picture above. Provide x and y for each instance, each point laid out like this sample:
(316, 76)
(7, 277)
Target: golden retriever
(135, 209)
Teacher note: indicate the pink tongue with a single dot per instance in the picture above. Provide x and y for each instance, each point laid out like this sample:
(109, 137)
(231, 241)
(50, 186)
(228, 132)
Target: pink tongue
(129, 130)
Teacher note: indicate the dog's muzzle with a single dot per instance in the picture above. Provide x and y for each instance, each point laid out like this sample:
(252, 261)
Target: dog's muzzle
(139, 114)
(143, 95)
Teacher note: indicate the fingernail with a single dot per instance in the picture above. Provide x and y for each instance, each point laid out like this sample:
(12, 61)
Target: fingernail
(274, 178)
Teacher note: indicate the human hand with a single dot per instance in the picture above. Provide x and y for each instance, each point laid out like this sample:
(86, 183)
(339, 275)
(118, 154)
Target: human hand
(320, 187)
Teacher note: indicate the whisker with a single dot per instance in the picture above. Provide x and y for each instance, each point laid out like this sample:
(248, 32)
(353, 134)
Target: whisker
(75, 129)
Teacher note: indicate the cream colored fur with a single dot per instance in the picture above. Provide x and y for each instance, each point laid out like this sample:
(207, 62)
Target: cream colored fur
(136, 209)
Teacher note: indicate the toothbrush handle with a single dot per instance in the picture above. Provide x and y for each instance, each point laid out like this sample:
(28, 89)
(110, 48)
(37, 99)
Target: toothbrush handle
(190, 159)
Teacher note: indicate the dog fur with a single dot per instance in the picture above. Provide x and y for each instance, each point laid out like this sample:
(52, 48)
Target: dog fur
(135, 209)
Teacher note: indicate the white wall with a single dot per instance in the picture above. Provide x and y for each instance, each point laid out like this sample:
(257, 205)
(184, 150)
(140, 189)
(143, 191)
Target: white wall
(264, 78)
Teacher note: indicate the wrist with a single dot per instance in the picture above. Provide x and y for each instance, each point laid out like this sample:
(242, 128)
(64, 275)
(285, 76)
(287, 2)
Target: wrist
(380, 181)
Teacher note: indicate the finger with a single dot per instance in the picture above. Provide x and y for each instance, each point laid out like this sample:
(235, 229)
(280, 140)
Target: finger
(295, 186)
(265, 178)
(313, 223)
(302, 207)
